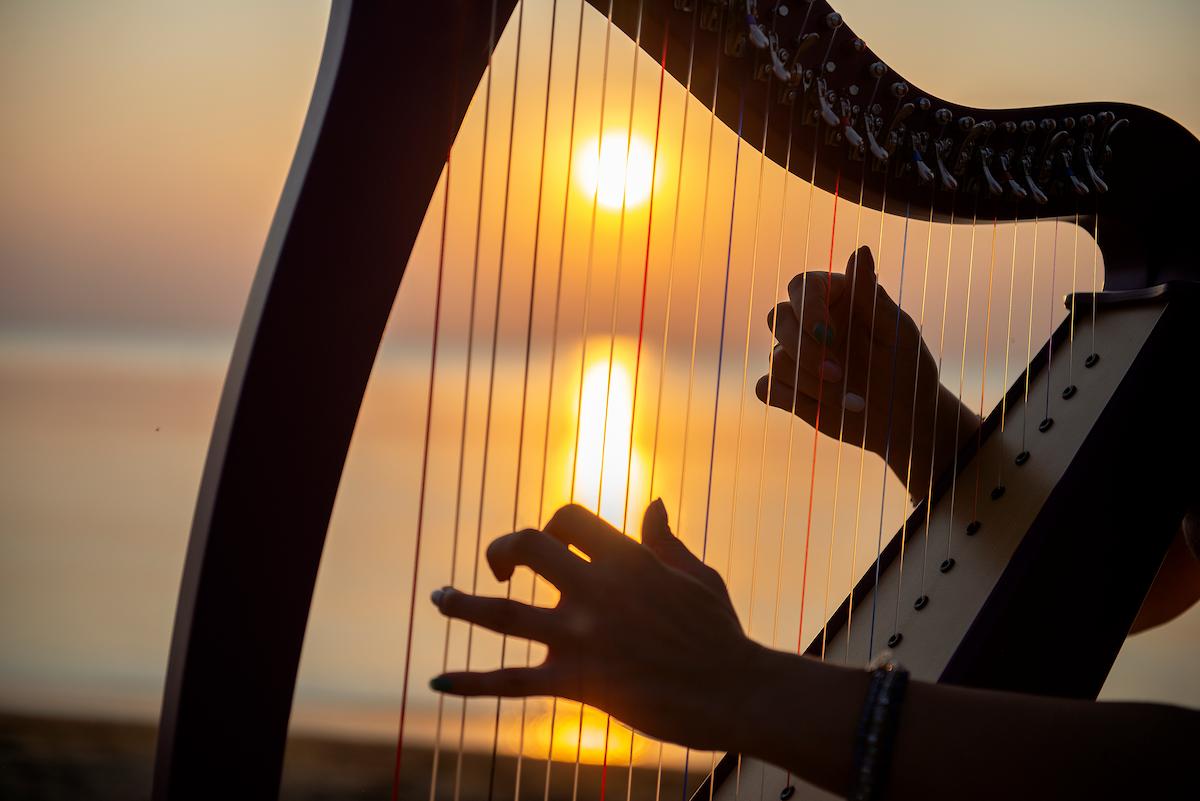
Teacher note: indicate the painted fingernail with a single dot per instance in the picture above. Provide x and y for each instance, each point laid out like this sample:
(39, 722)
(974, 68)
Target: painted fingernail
(854, 403)
(823, 332)
(439, 684)
(831, 371)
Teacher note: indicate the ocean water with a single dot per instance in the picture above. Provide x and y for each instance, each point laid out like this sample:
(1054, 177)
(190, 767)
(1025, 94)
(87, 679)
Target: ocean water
(101, 448)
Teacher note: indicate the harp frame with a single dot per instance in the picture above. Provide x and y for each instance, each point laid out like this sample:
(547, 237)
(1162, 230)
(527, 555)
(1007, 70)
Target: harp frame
(322, 296)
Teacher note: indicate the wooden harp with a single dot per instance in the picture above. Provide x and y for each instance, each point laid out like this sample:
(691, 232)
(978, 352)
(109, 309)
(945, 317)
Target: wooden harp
(1038, 547)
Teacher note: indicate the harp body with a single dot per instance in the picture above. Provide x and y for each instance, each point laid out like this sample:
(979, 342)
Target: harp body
(1041, 595)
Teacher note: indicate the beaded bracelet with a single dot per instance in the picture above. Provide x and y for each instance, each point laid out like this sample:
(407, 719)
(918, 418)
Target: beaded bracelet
(876, 732)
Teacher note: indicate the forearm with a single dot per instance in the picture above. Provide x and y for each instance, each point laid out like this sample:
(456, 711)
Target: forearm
(956, 742)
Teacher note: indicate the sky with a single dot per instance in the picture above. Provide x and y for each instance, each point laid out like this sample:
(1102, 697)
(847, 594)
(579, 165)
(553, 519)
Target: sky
(146, 145)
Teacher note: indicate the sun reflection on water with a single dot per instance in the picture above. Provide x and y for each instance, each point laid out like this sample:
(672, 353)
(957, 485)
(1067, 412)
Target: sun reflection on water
(609, 468)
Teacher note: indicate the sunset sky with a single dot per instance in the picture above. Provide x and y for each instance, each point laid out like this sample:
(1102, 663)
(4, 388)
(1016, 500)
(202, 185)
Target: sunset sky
(145, 147)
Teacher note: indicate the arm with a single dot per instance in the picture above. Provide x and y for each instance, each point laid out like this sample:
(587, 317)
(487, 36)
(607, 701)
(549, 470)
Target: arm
(647, 632)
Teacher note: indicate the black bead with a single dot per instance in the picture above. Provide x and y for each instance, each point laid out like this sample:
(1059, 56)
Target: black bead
(921, 602)
(895, 639)
(1091, 360)
(973, 527)
(1022, 457)
(1044, 426)
(1069, 392)
(997, 492)
(946, 566)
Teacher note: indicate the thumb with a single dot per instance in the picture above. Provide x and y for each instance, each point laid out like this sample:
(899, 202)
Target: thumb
(657, 536)
(860, 272)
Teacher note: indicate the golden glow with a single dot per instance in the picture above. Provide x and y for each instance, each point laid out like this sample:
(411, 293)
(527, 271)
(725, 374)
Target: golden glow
(615, 465)
(589, 739)
(610, 173)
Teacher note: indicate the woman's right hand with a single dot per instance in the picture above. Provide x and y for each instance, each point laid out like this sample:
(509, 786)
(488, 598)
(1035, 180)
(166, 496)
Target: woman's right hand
(851, 362)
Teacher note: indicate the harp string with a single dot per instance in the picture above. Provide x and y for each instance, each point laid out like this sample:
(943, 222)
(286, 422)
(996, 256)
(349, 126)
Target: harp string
(587, 294)
(1074, 289)
(524, 397)
(912, 425)
(862, 453)
(456, 529)
(1029, 338)
(987, 331)
(1050, 314)
(812, 472)
(667, 313)
(642, 315)
(422, 493)
(1095, 286)
(791, 424)
(962, 375)
(837, 474)
(612, 343)
(1012, 282)
(938, 394)
(887, 446)
(491, 386)
(553, 354)
(712, 118)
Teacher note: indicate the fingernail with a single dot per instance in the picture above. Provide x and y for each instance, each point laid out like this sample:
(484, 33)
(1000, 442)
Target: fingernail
(439, 684)
(437, 595)
(831, 371)
(853, 403)
(659, 507)
(824, 332)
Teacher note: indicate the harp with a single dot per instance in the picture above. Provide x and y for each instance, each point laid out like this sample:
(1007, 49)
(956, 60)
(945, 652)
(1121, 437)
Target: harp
(1053, 505)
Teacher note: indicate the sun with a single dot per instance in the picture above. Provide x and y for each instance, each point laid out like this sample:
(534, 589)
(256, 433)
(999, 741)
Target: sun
(610, 172)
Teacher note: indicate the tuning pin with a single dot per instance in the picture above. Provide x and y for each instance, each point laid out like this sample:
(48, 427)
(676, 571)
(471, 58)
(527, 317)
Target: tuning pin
(943, 116)
(778, 67)
(758, 34)
(948, 180)
(1034, 190)
(993, 185)
(1010, 127)
(924, 104)
(1048, 124)
(1087, 120)
(827, 113)
(830, 67)
(833, 20)
(924, 174)
(872, 143)
(1009, 181)
(1028, 127)
(966, 123)
(877, 70)
(1097, 182)
(899, 89)
(859, 45)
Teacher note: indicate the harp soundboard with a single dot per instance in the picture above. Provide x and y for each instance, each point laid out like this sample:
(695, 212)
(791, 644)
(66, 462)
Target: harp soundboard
(1022, 570)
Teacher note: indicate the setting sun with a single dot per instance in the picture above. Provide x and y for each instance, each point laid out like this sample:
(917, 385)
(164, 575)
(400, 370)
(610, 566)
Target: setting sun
(610, 172)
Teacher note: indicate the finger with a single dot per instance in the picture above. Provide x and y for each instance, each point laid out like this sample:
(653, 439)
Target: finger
(785, 328)
(809, 294)
(783, 371)
(657, 536)
(574, 525)
(872, 303)
(507, 682)
(498, 614)
(544, 555)
(784, 396)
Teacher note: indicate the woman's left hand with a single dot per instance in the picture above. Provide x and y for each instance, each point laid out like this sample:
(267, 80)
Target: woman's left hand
(644, 631)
